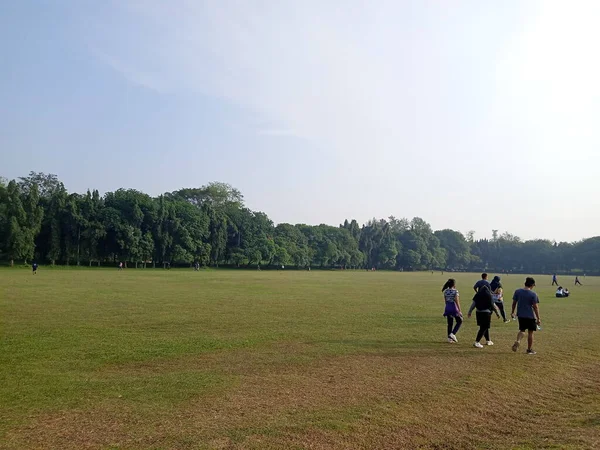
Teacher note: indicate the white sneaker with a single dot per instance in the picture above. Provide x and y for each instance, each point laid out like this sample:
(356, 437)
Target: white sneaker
(453, 337)
(450, 341)
(477, 345)
(490, 343)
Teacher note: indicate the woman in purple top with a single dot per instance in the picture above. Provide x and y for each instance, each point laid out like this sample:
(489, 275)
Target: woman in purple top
(452, 311)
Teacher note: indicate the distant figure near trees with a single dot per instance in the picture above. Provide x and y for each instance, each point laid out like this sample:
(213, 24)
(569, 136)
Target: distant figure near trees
(34, 268)
(554, 280)
(120, 266)
(577, 282)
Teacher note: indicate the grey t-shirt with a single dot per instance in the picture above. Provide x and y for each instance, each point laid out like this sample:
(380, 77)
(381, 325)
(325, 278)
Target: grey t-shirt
(482, 283)
(525, 299)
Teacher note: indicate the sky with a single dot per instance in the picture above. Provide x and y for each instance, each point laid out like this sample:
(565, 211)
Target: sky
(474, 115)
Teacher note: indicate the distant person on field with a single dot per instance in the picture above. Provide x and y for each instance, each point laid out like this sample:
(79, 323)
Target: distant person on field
(120, 266)
(566, 292)
(452, 311)
(526, 303)
(560, 292)
(483, 282)
(554, 280)
(484, 304)
(34, 268)
(577, 282)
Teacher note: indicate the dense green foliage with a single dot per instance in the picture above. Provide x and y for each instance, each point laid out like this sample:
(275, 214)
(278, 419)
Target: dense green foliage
(210, 225)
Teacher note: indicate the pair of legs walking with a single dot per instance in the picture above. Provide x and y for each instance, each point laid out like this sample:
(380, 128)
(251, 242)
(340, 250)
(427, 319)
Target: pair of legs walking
(453, 329)
(484, 321)
(483, 332)
(500, 306)
(529, 325)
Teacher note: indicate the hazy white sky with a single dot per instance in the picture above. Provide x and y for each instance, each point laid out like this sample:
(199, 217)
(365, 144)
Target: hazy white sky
(471, 114)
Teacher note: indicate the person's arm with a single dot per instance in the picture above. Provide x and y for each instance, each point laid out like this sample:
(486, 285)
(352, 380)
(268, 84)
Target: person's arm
(512, 314)
(536, 310)
(457, 301)
(475, 287)
(471, 308)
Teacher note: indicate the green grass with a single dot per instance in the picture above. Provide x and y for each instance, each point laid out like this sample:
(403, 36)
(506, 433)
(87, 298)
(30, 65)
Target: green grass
(242, 359)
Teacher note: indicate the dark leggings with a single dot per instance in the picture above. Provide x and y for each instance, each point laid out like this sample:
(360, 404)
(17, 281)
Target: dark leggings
(450, 320)
(483, 332)
(500, 306)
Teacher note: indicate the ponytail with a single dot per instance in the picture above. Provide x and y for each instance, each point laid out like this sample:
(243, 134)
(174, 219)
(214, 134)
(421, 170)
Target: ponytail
(449, 284)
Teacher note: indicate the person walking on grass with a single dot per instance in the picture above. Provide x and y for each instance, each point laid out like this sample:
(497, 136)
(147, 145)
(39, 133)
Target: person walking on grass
(34, 267)
(452, 311)
(526, 302)
(498, 296)
(577, 282)
(554, 280)
(484, 303)
(483, 282)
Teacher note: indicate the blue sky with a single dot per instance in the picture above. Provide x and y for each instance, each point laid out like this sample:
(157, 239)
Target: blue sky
(471, 114)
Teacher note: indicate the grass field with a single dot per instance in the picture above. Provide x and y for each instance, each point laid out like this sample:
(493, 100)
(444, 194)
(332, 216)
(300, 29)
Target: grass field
(258, 360)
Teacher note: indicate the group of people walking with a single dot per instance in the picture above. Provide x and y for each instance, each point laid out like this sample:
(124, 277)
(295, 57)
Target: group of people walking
(488, 300)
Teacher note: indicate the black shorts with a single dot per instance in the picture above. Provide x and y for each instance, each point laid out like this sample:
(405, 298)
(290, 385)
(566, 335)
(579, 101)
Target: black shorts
(526, 324)
(484, 319)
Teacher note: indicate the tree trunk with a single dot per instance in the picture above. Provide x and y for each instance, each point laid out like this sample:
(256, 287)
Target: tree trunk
(164, 265)
(98, 263)
(90, 263)
(12, 263)
(78, 245)
(153, 264)
(53, 262)
(136, 264)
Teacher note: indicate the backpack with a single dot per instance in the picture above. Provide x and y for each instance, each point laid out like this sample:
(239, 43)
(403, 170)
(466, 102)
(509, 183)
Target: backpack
(483, 299)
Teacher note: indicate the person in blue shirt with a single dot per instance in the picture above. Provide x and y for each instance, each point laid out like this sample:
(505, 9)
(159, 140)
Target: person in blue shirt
(554, 280)
(34, 267)
(526, 301)
(483, 282)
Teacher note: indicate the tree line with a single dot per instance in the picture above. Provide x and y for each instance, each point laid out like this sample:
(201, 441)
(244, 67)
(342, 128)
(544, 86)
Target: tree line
(40, 221)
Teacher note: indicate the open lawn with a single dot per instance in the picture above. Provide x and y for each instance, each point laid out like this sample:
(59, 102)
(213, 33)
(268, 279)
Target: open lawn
(257, 360)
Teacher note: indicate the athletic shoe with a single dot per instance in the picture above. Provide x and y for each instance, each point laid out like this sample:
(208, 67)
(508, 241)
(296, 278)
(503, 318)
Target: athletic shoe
(507, 321)
(453, 337)
(450, 341)
(477, 345)
(531, 352)
(515, 346)
(489, 343)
